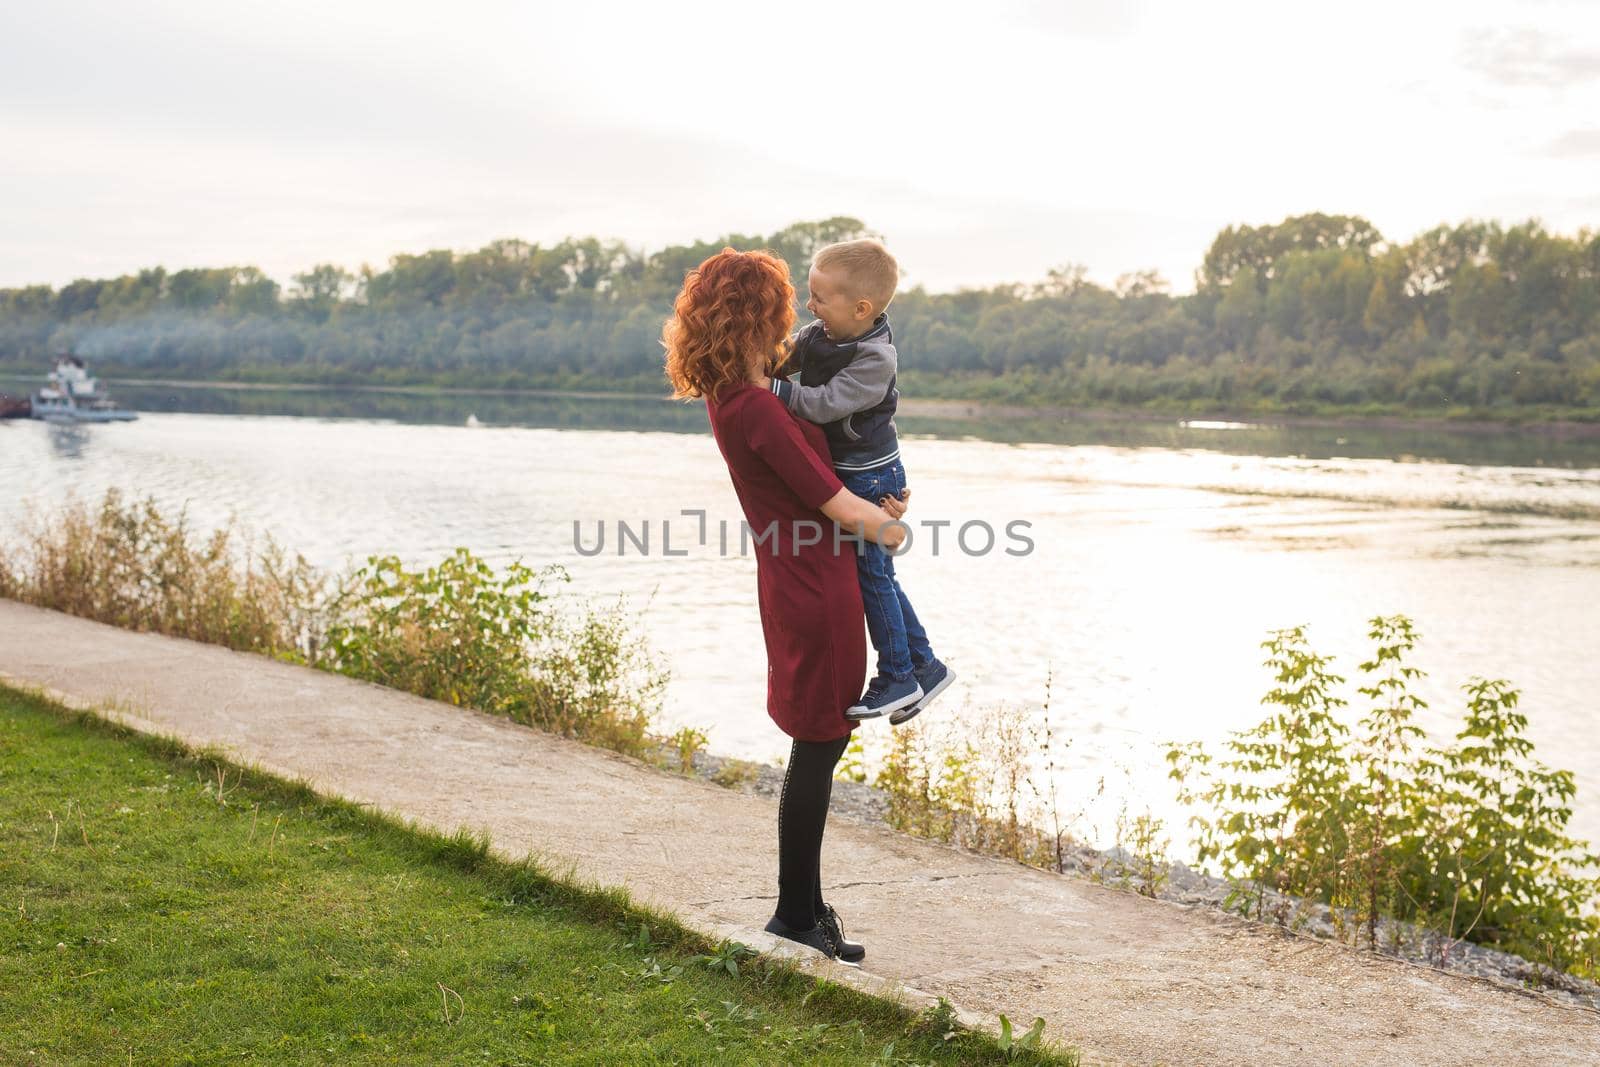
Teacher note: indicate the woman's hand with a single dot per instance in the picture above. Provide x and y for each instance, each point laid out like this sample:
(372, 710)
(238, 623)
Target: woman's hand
(891, 535)
(896, 507)
(866, 519)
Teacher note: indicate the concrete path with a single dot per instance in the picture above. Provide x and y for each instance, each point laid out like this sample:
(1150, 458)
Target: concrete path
(1128, 980)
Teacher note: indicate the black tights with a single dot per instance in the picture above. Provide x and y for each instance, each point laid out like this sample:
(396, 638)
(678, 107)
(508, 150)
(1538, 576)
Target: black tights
(802, 816)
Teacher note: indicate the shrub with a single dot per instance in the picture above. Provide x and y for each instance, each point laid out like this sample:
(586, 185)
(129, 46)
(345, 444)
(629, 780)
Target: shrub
(463, 633)
(458, 631)
(1467, 840)
(975, 790)
(131, 566)
(595, 679)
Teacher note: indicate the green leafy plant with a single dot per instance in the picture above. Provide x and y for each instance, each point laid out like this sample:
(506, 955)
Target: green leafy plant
(595, 679)
(736, 773)
(687, 741)
(1279, 792)
(938, 1018)
(651, 970)
(972, 791)
(1467, 839)
(852, 765)
(1386, 836)
(1495, 862)
(725, 957)
(463, 632)
(1013, 1044)
(459, 631)
(1145, 868)
(639, 940)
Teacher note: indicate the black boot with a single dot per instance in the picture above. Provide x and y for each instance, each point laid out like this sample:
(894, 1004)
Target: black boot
(849, 951)
(818, 937)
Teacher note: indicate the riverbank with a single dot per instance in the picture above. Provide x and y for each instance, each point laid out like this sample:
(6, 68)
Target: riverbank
(1466, 421)
(1578, 424)
(1121, 869)
(1128, 979)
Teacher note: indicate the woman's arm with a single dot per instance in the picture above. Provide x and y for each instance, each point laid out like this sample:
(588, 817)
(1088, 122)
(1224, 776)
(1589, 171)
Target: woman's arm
(776, 438)
(863, 517)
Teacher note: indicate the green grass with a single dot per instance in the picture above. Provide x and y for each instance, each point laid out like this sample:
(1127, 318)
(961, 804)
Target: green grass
(163, 905)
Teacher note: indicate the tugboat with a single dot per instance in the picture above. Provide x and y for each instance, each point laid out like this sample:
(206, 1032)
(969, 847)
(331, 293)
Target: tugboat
(74, 396)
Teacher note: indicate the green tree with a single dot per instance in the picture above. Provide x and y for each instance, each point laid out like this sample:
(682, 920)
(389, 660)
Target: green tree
(1260, 248)
(320, 290)
(1312, 310)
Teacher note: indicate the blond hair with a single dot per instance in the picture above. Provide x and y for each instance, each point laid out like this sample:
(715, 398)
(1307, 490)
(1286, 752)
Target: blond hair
(865, 267)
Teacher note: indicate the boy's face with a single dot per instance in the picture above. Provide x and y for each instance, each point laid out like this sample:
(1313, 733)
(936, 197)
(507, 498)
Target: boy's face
(841, 316)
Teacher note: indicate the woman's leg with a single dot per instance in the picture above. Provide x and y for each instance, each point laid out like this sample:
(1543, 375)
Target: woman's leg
(802, 816)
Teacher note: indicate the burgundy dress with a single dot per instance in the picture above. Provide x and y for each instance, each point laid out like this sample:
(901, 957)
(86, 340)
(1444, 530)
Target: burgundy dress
(809, 596)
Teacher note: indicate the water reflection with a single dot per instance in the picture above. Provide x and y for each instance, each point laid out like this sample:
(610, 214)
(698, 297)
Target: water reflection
(69, 440)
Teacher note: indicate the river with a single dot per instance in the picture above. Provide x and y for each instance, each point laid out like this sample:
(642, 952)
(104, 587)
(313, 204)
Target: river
(1161, 553)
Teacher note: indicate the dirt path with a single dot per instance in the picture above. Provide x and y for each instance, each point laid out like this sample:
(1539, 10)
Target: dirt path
(1128, 980)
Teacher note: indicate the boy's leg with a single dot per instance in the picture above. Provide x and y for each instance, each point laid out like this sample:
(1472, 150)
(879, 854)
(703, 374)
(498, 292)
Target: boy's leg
(918, 650)
(932, 676)
(885, 624)
(916, 637)
(875, 572)
(917, 647)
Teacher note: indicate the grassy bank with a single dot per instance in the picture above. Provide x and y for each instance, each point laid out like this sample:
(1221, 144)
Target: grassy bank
(171, 906)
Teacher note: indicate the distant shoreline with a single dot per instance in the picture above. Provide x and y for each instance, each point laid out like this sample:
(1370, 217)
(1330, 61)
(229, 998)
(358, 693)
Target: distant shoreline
(936, 407)
(990, 409)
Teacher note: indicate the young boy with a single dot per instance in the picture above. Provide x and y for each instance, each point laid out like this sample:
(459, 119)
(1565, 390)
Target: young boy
(846, 363)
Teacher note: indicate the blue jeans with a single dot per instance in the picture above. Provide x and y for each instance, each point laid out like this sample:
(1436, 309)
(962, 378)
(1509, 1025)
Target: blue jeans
(898, 637)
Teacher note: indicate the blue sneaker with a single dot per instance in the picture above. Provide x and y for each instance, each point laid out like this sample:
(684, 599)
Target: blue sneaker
(934, 678)
(883, 696)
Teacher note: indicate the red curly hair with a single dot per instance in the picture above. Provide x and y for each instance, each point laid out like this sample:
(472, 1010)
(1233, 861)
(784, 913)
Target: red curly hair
(735, 308)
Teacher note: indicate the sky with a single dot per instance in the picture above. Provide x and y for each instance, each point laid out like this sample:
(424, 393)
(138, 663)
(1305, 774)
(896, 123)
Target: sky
(986, 142)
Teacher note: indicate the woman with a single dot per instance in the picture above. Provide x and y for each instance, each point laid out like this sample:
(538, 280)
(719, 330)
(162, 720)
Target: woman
(726, 334)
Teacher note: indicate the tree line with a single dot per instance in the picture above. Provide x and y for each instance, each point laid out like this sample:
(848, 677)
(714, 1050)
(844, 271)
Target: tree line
(1317, 311)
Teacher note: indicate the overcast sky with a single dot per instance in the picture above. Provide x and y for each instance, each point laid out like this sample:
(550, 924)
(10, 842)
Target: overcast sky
(988, 141)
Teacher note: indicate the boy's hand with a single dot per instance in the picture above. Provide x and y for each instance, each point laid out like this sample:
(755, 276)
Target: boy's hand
(894, 507)
(765, 383)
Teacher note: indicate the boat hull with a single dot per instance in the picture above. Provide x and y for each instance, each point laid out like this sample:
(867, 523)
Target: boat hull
(74, 396)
